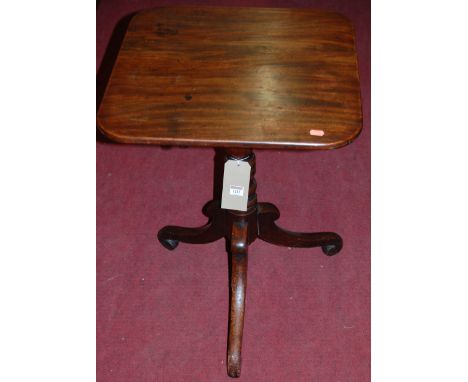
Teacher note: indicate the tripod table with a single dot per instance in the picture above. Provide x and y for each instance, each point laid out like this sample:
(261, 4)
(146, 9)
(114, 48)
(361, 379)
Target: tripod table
(236, 79)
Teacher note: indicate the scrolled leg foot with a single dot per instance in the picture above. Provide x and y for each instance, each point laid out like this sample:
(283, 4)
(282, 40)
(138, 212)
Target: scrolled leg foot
(170, 236)
(333, 249)
(330, 242)
(169, 244)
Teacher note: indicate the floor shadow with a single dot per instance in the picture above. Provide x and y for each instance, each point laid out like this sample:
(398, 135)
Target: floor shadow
(218, 173)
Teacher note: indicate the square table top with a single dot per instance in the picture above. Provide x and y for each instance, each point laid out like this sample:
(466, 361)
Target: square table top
(235, 77)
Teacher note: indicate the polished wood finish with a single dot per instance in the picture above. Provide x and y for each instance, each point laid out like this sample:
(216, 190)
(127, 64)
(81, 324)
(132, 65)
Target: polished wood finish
(240, 229)
(235, 77)
(170, 236)
(238, 271)
(268, 231)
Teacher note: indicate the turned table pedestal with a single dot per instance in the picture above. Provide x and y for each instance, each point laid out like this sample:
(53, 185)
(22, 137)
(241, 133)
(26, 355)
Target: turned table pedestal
(237, 79)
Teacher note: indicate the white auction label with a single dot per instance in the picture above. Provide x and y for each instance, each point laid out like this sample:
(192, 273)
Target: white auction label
(236, 181)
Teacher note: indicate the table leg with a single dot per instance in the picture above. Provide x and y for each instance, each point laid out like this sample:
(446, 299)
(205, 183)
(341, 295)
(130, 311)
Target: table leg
(238, 275)
(268, 231)
(170, 236)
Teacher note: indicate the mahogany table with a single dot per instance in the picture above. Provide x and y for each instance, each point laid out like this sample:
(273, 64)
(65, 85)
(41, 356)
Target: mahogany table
(236, 79)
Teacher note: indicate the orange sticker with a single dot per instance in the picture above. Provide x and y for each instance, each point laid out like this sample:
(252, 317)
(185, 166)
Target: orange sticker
(318, 133)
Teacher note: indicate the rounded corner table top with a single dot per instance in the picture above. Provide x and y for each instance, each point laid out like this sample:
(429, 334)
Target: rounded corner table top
(235, 77)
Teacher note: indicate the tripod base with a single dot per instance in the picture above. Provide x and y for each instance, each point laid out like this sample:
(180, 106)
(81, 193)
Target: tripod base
(240, 229)
(268, 231)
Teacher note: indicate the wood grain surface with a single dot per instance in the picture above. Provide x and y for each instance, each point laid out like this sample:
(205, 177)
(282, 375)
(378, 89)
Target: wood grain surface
(235, 77)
